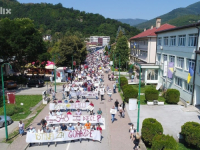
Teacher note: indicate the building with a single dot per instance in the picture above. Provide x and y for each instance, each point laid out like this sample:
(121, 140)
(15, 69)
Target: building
(101, 40)
(177, 53)
(143, 51)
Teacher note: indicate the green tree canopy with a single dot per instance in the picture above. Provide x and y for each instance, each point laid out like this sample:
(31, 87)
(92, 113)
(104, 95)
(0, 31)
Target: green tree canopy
(122, 51)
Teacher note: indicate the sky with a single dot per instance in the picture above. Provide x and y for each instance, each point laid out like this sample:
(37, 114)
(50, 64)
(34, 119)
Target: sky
(121, 9)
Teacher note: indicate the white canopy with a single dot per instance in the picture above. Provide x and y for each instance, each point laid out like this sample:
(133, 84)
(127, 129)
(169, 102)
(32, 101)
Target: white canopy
(50, 67)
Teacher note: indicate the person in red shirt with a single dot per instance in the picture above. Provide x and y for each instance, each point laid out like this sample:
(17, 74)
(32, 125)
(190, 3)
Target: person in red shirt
(91, 104)
(69, 112)
(99, 129)
(77, 101)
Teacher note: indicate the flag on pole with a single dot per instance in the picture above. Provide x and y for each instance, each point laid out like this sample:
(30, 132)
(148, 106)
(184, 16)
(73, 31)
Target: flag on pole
(170, 70)
(134, 44)
(190, 74)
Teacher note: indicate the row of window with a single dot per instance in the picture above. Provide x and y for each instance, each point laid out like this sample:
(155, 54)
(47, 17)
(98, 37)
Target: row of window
(171, 41)
(182, 84)
(179, 82)
(179, 61)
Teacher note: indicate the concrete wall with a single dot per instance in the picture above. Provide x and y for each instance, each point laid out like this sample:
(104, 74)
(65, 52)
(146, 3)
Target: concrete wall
(151, 50)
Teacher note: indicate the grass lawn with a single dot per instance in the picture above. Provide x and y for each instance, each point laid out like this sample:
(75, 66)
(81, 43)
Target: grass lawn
(142, 89)
(144, 102)
(28, 102)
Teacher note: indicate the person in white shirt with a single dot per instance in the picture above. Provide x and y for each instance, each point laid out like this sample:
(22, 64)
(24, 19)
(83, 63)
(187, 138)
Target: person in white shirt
(132, 130)
(51, 113)
(40, 131)
(54, 130)
(58, 113)
(31, 130)
(78, 112)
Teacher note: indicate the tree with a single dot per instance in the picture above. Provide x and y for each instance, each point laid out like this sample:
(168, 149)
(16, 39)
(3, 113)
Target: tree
(70, 46)
(122, 51)
(106, 50)
(20, 42)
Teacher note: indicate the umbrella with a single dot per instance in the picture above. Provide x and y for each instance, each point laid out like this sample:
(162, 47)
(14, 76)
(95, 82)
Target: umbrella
(50, 67)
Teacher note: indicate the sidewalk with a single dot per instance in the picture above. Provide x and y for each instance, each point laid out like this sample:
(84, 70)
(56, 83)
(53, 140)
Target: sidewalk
(119, 135)
(20, 142)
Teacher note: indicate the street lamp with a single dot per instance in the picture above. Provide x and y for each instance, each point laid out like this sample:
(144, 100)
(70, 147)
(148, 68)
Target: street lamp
(55, 70)
(138, 118)
(119, 73)
(4, 102)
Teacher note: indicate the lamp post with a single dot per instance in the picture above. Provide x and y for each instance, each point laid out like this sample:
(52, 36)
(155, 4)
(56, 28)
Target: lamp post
(4, 102)
(119, 73)
(138, 118)
(55, 70)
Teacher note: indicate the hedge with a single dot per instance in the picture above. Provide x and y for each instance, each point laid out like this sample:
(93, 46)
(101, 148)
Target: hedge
(150, 128)
(191, 133)
(164, 142)
(123, 81)
(151, 94)
(129, 92)
(172, 96)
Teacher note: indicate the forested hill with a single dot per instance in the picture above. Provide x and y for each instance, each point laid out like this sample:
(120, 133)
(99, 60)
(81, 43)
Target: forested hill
(50, 19)
(175, 16)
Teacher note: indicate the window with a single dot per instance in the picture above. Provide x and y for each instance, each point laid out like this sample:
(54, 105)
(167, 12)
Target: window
(166, 41)
(164, 58)
(171, 59)
(190, 63)
(158, 57)
(188, 87)
(192, 40)
(173, 41)
(159, 41)
(180, 62)
(178, 81)
(181, 40)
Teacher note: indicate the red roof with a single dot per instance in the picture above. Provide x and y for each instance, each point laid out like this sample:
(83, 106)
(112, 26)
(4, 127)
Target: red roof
(151, 32)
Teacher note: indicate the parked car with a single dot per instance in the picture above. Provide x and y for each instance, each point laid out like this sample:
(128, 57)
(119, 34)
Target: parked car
(35, 83)
(10, 84)
(2, 121)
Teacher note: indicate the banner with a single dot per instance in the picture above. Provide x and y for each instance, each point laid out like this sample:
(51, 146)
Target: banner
(89, 93)
(79, 105)
(73, 119)
(113, 111)
(79, 76)
(63, 136)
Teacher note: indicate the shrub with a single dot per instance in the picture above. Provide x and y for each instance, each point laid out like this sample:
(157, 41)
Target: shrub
(142, 84)
(1, 101)
(164, 142)
(172, 96)
(151, 94)
(12, 109)
(191, 133)
(123, 81)
(150, 128)
(129, 92)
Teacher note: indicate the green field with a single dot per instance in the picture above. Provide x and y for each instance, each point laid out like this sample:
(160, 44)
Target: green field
(142, 89)
(22, 111)
(144, 102)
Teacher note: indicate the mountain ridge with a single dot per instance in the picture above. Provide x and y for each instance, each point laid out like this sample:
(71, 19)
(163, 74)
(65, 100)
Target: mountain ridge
(131, 21)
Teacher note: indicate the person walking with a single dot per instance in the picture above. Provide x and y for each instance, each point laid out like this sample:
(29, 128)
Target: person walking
(113, 112)
(120, 111)
(99, 112)
(63, 94)
(116, 104)
(110, 94)
(132, 131)
(43, 123)
(47, 130)
(21, 128)
(136, 141)
(123, 105)
(132, 77)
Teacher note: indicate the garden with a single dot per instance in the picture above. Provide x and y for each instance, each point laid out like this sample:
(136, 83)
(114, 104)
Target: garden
(18, 111)
(154, 139)
(148, 93)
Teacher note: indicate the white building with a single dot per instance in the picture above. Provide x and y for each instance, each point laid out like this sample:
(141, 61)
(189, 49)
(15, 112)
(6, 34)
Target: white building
(143, 51)
(177, 46)
(102, 40)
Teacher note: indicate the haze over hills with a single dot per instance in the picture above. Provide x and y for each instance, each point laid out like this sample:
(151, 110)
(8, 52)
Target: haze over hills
(179, 14)
(132, 22)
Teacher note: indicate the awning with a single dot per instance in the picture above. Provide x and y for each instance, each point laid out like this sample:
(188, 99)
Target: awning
(50, 67)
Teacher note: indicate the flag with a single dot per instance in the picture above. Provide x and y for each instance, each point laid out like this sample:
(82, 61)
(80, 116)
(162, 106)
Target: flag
(170, 70)
(134, 44)
(190, 74)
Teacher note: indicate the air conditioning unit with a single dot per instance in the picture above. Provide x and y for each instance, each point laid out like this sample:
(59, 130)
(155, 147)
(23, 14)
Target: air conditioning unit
(161, 47)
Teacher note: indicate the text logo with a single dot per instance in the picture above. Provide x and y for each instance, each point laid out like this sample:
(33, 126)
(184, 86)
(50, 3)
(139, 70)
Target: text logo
(4, 11)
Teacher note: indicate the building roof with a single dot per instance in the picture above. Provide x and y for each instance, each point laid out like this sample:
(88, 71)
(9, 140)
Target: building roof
(151, 32)
(178, 28)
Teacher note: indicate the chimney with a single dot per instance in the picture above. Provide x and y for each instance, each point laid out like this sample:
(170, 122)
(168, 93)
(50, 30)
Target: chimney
(151, 27)
(145, 29)
(158, 22)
